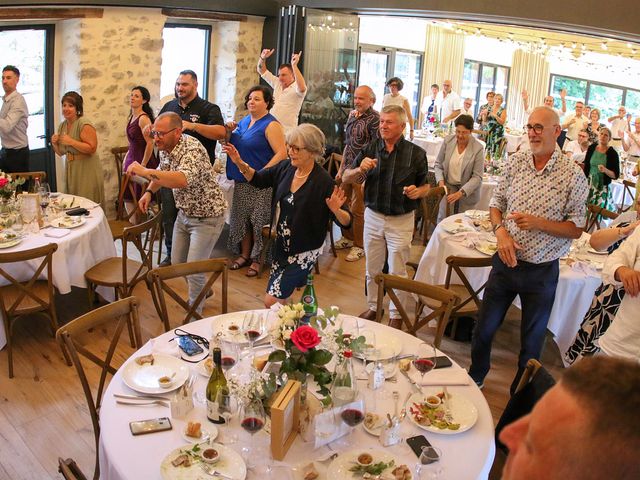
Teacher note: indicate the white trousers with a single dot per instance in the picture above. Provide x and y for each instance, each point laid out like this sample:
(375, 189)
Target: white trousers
(390, 235)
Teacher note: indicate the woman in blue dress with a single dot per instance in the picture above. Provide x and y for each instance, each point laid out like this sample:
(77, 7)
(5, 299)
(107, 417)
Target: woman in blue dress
(307, 198)
(259, 139)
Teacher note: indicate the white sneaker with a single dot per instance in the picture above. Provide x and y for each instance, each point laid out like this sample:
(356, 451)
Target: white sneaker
(343, 243)
(355, 254)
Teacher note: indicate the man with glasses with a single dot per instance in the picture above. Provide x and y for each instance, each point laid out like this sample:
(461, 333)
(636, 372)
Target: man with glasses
(449, 102)
(574, 122)
(200, 119)
(619, 125)
(577, 149)
(185, 168)
(538, 207)
(14, 119)
(394, 172)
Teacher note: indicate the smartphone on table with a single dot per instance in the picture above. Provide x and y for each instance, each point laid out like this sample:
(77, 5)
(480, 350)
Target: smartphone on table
(152, 425)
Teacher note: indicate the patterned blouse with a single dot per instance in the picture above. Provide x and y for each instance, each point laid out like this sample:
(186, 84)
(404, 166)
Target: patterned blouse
(558, 193)
(202, 197)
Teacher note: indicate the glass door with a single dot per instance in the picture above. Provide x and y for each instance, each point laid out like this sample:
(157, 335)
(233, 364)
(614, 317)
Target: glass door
(30, 50)
(408, 67)
(374, 67)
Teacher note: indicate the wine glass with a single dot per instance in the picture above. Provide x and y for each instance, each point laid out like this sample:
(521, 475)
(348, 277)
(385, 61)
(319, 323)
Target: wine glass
(425, 359)
(429, 466)
(44, 192)
(229, 355)
(252, 421)
(252, 327)
(352, 414)
(227, 406)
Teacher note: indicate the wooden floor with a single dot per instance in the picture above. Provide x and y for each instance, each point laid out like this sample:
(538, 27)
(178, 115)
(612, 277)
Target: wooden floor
(43, 414)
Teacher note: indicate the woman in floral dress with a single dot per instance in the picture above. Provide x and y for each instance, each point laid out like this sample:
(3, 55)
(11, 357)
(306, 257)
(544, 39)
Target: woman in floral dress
(594, 126)
(601, 165)
(495, 118)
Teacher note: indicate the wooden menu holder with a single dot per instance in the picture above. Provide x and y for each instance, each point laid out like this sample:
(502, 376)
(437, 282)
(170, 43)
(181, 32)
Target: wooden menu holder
(32, 201)
(285, 413)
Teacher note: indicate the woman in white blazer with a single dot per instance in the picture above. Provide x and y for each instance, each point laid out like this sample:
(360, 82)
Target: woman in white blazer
(459, 168)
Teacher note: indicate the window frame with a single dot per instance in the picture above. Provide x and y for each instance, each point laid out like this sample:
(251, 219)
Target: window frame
(477, 100)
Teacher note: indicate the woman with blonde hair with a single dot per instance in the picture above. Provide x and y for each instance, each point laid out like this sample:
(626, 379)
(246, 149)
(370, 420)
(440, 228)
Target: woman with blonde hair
(594, 125)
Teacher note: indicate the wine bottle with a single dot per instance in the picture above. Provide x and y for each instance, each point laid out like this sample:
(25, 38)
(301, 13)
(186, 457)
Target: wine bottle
(309, 301)
(217, 381)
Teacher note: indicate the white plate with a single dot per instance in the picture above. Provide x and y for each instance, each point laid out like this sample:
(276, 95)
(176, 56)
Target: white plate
(463, 411)
(69, 222)
(144, 378)
(10, 243)
(230, 464)
(596, 252)
(453, 227)
(477, 214)
(390, 368)
(487, 248)
(210, 432)
(221, 324)
(387, 346)
(202, 369)
(377, 430)
(339, 468)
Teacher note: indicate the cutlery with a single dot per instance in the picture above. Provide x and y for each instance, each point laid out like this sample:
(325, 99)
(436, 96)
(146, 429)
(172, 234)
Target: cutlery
(152, 402)
(140, 397)
(327, 458)
(396, 397)
(210, 470)
(411, 381)
(447, 411)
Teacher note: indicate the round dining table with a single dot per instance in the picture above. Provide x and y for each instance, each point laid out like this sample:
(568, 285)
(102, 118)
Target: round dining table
(465, 455)
(576, 284)
(79, 249)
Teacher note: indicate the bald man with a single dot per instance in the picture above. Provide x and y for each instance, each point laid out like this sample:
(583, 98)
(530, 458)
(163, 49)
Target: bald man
(362, 128)
(449, 101)
(547, 102)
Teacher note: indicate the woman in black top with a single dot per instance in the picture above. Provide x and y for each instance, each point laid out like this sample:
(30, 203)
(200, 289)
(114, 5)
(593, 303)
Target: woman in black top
(307, 198)
(601, 165)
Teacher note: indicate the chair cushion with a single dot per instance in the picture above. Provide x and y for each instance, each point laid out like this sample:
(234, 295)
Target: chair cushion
(462, 292)
(109, 272)
(40, 289)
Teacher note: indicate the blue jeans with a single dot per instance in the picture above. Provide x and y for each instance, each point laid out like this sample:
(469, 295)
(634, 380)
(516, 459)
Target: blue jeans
(536, 286)
(194, 239)
(169, 214)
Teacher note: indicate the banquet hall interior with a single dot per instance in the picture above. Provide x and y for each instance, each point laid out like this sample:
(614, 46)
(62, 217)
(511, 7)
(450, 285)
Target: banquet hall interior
(103, 50)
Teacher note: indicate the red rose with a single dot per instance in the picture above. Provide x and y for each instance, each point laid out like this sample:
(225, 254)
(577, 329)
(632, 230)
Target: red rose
(305, 337)
(3, 182)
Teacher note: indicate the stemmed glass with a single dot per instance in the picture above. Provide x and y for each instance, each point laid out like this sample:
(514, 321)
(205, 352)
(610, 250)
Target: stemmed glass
(253, 419)
(425, 359)
(429, 466)
(252, 327)
(44, 192)
(229, 355)
(227, 406)
(352, 414)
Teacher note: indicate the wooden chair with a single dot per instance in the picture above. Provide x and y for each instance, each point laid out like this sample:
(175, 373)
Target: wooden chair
(595, 214)
(124, 273)
(628, 185)
(123, 218)
(333, 164)
(20, 298)
(446, 299)
(119, 154)
(70, 469)
(470, 302)
(158, 278)
(114, 315)
(29, 177)
(430, 206)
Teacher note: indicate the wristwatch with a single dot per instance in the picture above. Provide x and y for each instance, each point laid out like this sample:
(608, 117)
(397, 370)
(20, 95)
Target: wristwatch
(496, 227)
(148, 190)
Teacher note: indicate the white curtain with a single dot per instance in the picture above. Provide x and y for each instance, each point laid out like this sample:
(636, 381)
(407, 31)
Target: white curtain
(443, 59)
(529, 71)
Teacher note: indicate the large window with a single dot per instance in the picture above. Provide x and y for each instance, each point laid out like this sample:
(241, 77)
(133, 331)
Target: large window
(186, 47)
(478, 78)
(607, 98)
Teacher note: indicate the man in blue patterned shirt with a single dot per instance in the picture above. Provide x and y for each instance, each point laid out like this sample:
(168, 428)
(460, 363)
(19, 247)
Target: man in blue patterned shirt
(537, 209)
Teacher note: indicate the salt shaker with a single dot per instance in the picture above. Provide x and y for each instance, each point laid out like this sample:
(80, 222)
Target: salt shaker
(376, 377)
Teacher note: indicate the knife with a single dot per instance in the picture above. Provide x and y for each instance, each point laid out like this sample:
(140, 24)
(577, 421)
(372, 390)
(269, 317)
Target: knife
(141, 397)
(411, 381)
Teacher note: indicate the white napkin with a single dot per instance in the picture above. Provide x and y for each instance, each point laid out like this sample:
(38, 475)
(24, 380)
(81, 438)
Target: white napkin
(160, 346)
(57, 232)
(441, 376)
(584, 267)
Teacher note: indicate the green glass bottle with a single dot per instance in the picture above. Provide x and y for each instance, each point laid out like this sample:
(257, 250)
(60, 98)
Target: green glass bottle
(309, 301)
(217, 382)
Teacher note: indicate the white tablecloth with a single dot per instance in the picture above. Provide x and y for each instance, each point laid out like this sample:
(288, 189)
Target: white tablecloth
(573, 294)
(468, 455)
(77, 252)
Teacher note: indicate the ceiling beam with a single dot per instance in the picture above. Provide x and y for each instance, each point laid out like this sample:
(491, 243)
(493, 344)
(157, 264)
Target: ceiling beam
(203, 15)
(40, 13)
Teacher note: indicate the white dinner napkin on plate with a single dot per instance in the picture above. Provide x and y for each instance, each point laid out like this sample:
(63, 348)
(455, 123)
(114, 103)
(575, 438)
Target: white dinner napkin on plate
(161, 346)
(441, 376)
(56, 232)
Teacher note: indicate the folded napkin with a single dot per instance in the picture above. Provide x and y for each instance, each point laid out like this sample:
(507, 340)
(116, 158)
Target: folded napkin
(586, 268)
(471, 239)
(56, 232)
(160, 345)
(441, 376)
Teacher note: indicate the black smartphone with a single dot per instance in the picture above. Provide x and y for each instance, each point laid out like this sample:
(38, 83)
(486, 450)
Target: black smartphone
(150, 426)
(442, 362)
(189, 346)
(416, 443)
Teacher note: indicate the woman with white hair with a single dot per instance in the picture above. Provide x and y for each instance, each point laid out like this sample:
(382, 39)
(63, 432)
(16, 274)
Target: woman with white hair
(307, 197)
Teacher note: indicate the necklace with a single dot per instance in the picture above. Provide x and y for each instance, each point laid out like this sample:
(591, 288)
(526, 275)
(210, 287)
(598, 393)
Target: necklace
(302, 176)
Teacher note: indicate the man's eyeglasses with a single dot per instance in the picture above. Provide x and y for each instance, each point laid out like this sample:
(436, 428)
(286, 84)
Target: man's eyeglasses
(537, 128)
(294, 148)
(159, 134)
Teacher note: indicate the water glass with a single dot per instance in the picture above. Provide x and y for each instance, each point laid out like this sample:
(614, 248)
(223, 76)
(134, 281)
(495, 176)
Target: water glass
(429, 466)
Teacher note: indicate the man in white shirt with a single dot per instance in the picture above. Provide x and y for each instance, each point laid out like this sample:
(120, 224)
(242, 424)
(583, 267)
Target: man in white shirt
(619, 125)
(449, 102)
(574, 122)
(577, 149)
(631, 142)
(467, 107)
(289, 88)
(14, 115)
(547, 102)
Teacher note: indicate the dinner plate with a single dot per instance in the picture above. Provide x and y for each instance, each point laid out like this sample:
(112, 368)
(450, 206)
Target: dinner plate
(387, 347)
(339, 468)
(230, 464)
(65, 202)
(462, 409)
(144, 378)
(68, 222)
(487, 248)
(209, 432)
(377, 429)
(596, 252)
(222, 323)
(10, 243)
(390, 368)
(477, 214)
(453, 227)
(202, 369)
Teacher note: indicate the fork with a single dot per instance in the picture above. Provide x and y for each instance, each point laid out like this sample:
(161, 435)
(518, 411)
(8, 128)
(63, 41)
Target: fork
(210, 470)
(151, 402)
(447, 411)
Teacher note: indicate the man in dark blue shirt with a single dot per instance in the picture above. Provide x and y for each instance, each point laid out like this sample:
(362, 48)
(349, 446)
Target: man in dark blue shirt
(200, 119)
(395, 171)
